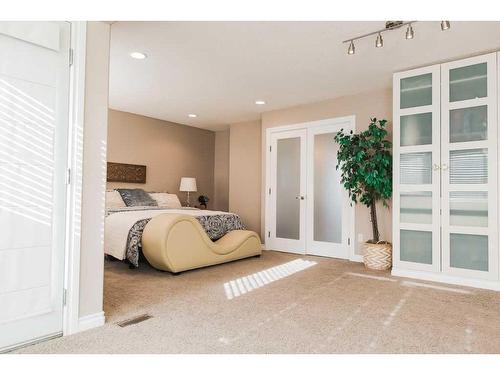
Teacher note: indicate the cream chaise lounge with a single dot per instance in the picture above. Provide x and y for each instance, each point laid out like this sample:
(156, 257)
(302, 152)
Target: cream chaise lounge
(176, 243)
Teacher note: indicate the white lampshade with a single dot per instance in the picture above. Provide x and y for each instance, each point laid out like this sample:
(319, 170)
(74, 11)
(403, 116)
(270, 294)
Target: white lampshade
(188, 184)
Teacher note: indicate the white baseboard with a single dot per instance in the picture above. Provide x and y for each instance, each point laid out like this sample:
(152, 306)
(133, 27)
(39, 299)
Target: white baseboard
(447, 279)
(356, 258)
(91, 321)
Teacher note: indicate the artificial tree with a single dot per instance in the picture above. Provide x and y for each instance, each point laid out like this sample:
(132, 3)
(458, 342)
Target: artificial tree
(365, 163)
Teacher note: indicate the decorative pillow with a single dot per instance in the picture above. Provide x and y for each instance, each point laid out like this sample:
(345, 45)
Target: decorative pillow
(136, 197)
(114, 200)
(166, 200)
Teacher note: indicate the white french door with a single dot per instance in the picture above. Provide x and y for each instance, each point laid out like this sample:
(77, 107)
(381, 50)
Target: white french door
(309, 211)
(329, 211)
(34, 77)
(288, 191)
(469, 167)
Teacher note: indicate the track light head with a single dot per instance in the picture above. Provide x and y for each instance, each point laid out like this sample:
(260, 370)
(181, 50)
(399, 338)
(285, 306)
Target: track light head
(409, 32)
(351, 49)
(379, 42)
(445, 25)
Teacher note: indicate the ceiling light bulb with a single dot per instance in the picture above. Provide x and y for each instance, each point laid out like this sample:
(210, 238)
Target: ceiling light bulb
(409, 32)
(445, 25)
(192, 115)
(351, 49)
(260, 102)
(138, 55)
(379, 42)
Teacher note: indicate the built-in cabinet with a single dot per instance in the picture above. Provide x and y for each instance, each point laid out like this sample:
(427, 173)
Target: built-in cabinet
(445, 205)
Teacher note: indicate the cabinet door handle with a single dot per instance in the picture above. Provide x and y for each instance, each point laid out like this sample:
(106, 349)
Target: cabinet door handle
(444, 166)
(436, 167)
(301, 197)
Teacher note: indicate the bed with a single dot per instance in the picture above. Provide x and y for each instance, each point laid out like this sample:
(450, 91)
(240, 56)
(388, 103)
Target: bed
(173, 238)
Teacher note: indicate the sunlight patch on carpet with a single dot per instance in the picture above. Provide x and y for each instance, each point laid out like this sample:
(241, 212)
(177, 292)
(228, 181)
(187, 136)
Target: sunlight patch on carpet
(245, 284)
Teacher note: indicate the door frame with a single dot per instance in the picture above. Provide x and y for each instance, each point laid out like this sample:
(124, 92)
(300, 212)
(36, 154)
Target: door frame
(74, 184)
(74, 162)
(350, 122)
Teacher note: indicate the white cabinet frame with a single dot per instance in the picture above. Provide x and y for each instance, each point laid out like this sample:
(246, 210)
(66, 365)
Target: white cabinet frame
(491, 187)
(441, 187)
(398, 188)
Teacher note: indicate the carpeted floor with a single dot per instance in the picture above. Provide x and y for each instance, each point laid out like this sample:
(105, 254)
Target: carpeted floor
(303, 305)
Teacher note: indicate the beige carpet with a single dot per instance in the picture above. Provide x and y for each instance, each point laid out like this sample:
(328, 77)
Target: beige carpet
(332, 306)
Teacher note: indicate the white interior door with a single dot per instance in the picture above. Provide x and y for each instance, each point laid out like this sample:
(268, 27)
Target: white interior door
(469, 167)
(287, 226)
(416, 174)
(34, 76)
(329, 212)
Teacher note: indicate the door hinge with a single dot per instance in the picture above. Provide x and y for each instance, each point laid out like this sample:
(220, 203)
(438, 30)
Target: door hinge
(71, 54)
(270, 148)
(68, 176)
(269, 234)
(65, 296)
(348, 242)
(269, 191)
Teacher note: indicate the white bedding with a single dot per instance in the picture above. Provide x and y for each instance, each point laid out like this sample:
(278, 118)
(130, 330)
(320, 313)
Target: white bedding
(118, 224)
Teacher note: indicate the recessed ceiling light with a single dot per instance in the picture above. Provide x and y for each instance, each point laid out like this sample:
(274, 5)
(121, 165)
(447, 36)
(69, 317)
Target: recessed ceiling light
(138, 55)
(260, 102)
(192, 115)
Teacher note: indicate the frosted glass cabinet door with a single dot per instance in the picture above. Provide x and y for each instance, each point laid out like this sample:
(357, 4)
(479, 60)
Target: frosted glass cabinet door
(468, 82)
(416, 183)
(469, 172)
(288, 188)
(416, 129)
(416, 91)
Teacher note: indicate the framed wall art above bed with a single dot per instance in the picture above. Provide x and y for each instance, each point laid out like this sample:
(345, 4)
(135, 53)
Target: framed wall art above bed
(120, 172)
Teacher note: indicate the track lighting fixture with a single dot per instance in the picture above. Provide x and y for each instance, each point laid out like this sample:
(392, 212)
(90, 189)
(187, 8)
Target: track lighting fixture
(351, 49)
(409, 32)
(389, 26)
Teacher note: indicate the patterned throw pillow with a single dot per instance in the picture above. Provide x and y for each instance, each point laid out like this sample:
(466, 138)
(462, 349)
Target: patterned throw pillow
(136, 197)
(114, 200)
(166, 200)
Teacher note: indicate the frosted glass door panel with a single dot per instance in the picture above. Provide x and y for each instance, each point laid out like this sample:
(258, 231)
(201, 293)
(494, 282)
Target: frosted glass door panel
(416, 207)
(469, 124)
(469, 208)
(468, 82)
(416, 168)
(416, 129)
(469, 166)
(416, 91)
(328, 199)
(288, 188)
(415, 246)
(469, 251)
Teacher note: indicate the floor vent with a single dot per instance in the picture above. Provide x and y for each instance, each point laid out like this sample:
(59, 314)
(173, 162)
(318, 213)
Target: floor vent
(135, 320)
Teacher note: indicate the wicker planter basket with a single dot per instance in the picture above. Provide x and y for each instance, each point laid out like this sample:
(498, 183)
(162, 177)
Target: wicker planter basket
(378, 256)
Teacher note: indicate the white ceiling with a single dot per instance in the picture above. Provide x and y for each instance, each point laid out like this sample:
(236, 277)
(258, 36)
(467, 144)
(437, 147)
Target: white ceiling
(218, 69)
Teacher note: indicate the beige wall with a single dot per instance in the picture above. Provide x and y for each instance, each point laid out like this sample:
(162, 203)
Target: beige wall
(245, 172)
(94, 168)
(364, 105)
(169, 150)
(221, 171)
